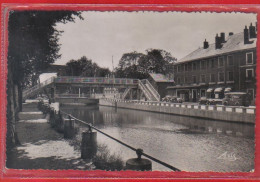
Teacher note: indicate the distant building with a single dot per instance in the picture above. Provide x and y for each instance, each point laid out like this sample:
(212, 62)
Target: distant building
(227, 65)
(160, 82)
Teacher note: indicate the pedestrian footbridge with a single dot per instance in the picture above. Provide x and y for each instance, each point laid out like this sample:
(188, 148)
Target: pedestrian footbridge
(85, 86)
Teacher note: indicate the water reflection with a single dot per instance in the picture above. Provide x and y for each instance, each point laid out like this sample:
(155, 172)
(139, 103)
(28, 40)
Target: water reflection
(109, 116)
(191, 144)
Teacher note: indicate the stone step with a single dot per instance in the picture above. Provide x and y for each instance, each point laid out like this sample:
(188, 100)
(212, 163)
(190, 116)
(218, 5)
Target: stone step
(34, 104)
(30, 115)
(30, 109)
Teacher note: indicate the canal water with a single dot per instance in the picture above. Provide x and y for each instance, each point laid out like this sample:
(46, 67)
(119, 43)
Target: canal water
(187, 143)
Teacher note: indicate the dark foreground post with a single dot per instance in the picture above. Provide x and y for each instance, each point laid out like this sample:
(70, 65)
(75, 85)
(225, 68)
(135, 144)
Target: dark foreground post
(52, 118)
(69, 128)
(139, 164)
(59, 123)
(88, 144)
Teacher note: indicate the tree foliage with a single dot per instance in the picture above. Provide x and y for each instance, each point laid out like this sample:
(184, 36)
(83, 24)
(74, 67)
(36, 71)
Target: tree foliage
(85, 67)
(33, 45)
(33, 42)
(138, 65)
(129, 59)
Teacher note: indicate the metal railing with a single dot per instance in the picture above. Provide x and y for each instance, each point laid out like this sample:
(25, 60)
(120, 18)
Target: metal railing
(123, 143)
(125, 92)
(96, 80)
(35, 88)
(152, 90)
(145, 90)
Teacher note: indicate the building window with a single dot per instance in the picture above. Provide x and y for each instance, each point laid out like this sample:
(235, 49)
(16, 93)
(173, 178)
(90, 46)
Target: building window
(189, 66)
(194, 79)
(249, 58)
(203, 93)
(186, 67)
(179, 68)
(249, 73)
(230, 76)
(178, 80)
(230, 60)
(220, 62)
(251, 93)
(212, 77)
(202, 65)
(212, 63)
(185, 79)
(202, 79)
(193, 66)
(221, 77)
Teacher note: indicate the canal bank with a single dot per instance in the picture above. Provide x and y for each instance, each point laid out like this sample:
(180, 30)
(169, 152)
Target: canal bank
(218, 112)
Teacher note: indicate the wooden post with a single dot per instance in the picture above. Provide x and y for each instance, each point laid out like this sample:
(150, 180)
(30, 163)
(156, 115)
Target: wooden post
(69, 128)
(88, 144)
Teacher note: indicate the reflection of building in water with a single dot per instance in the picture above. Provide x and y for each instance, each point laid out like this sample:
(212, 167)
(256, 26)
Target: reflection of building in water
(126, 117)
(227, 65)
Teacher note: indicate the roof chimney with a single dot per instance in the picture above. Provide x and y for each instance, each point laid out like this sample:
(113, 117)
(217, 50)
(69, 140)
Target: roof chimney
(252, 33)
(222, 37)
(246, 38)
(231, 33)
(217, 42)
(206, 44)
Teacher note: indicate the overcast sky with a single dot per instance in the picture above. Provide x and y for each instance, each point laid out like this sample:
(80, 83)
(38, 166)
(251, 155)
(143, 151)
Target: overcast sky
(102, 35)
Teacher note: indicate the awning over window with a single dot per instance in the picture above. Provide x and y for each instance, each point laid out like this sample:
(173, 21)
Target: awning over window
(218, 89)
(228, 89)
(210, 90)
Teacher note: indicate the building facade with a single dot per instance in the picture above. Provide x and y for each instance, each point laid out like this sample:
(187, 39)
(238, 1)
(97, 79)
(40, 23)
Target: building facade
(227, 65)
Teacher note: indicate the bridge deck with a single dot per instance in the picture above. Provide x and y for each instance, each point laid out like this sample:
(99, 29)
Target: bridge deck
(96, 80)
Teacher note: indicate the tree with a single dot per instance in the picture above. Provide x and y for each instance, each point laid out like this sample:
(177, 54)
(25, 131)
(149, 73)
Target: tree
(85, 67)
(138, 65)
(33, 45)
(129, 59)
(77, 67)
(156, 61)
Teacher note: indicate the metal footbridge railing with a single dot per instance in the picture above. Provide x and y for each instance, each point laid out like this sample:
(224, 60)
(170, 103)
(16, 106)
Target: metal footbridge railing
(29, 92)
(138, 151)
(145, 91)
(152, 89)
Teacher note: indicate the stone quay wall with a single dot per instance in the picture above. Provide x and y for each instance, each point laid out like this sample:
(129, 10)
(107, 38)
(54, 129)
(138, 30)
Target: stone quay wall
(214, 112)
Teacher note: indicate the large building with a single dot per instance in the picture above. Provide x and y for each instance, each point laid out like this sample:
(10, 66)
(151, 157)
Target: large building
(227, 65)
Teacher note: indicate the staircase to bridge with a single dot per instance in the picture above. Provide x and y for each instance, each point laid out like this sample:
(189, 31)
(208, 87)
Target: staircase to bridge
(144, 85)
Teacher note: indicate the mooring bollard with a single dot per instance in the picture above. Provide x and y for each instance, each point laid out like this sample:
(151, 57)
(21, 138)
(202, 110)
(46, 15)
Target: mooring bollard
(69, 128)
(88, 144)
(139, 164)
